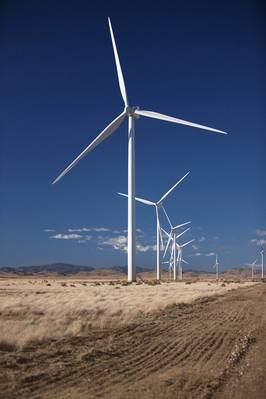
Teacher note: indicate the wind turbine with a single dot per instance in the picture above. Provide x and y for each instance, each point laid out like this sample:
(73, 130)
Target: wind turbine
(170, 267)
(216, 266)
(262, 263)
(158, 205)
(252, 265)
(173, 257)
(179, 258)
(170, 262)
(132, 113)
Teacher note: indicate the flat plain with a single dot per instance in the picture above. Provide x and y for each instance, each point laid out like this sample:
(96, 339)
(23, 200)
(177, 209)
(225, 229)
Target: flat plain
(77, 338)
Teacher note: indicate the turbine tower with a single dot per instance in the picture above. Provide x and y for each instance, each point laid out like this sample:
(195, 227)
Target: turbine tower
(158, 205)
(180, 258)
(132, 113)
(216, 266)
(262, 263)
(252, 265)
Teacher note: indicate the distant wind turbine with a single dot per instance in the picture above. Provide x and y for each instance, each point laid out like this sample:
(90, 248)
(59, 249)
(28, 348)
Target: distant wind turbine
(180, 258)
(262, 263)
(216, 266)
(252, 265)
(175, 246)
(158, 205)
(132, 113)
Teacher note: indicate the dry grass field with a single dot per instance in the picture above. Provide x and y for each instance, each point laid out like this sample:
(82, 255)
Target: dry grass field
(74, 338)
(39, 309)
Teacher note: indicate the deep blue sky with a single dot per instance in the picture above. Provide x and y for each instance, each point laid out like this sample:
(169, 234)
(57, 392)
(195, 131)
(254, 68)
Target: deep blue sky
(200, 61)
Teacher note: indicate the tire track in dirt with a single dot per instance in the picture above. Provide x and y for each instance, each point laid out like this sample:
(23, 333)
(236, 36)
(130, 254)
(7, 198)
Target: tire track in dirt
(164, 353)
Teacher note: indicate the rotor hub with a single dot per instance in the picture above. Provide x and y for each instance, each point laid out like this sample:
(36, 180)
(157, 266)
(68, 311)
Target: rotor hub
(131, 111)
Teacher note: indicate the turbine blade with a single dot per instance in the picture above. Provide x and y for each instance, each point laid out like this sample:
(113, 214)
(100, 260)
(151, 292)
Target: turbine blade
(161, 237)
(167, 245)
(184, 261)
(118, 67)
(156, 115)
(184, 245)
(167, 217)
(180, 225)
(165, 232)
(158, 221)
(146, 202)
(172, 188)
(172, 252)
(183, 232)
(102, 136)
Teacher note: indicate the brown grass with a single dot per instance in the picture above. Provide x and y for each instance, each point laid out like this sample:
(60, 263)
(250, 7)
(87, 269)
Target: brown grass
(37, 310)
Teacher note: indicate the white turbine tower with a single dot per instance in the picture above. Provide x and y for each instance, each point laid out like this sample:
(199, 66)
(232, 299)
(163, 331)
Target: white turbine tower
(158, 205)
(180, 258)
(262, 263)
(216, 266)
(132, 113)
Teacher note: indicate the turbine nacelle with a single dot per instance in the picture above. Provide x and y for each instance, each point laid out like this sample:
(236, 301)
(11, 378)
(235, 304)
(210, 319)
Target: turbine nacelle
(130, 111)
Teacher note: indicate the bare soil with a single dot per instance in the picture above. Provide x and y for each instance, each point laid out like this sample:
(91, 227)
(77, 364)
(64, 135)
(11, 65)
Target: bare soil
(211, 348)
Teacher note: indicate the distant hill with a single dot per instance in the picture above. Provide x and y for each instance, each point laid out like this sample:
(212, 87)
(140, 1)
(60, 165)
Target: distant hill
(60, 268)
(123, 269)
(64, 269)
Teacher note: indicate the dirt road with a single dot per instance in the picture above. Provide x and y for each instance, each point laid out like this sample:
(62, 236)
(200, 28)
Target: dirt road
(212, 348)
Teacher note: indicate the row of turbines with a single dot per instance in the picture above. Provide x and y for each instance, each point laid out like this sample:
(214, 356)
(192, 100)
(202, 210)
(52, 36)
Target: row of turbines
(173, 246)
(133, 113)
(172, 235)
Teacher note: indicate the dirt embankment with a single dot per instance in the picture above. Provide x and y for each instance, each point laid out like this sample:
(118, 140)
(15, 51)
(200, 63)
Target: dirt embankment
(212, 348)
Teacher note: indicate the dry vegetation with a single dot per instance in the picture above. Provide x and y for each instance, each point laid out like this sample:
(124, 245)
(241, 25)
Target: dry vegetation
(36, 310)
(213, 347)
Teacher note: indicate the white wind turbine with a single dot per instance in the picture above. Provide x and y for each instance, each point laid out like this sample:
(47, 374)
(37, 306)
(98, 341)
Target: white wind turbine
(132, 113)
(252, 265)
(216, 266)
(180, 259)
(158, 205)
(262, 263)
(170, 264)
(174, 258)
